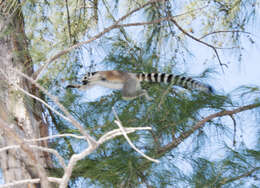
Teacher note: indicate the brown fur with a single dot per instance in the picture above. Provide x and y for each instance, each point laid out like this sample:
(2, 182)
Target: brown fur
(116, 76)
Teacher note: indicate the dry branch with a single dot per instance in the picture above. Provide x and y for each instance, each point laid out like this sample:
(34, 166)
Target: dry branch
(246, 174)
(216, 32)
(119, 124)
(198, 40)
(201, 124)
(117, 132)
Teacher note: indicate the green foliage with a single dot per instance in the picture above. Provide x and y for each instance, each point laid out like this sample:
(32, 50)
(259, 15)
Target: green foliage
(172, 113)
(226, 171)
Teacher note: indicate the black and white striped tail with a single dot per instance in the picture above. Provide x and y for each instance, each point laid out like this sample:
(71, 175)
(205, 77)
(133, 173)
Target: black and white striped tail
(185, 82)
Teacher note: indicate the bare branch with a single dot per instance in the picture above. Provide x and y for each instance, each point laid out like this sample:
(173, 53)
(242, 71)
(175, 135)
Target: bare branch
(68, 20)
(117, 132)
(73, 160)
(92, 143)
(146, 23)
(246, 174)
(202, 122)
(215, 32)
(119, 124)
(198, 40)
(235, 129)
(9, 148)
(53, 151)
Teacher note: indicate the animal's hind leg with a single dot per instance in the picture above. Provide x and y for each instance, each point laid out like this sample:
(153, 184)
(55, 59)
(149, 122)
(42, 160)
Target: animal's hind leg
(132, 90)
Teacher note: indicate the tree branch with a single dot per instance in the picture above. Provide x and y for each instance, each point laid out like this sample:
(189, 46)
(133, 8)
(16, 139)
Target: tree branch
(119, 124)
(117, 132)
(68, 19)
(246, 174)
(201, 124)
(215, 32)
(198, 40)
(235, 129)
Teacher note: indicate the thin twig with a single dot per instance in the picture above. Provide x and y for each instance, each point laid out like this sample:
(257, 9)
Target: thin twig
(119, 124)
(72, 162)
(68, 20)
(235, 129)
(147, 23)
(76, 157)
(246, 174)
(200, 41)
(53, 151)
(215, 32)
(117, 132)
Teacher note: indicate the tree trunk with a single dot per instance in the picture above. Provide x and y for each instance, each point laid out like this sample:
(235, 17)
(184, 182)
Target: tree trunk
(23, 114)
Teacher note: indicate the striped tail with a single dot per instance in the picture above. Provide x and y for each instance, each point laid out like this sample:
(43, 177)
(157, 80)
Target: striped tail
(185, 82)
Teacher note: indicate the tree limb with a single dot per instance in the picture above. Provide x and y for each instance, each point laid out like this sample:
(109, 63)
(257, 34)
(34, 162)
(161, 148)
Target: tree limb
(119, 124)
(215, 32)
(68, 19)
(198, 40)
(246, 174)
(201, 124)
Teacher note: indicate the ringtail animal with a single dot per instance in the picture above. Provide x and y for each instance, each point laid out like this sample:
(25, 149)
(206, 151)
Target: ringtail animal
(130, 83)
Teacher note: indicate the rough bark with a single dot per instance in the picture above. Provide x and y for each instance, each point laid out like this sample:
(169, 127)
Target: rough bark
(23, 114)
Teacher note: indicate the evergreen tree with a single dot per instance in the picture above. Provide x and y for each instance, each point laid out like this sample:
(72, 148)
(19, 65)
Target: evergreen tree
(201, 140)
